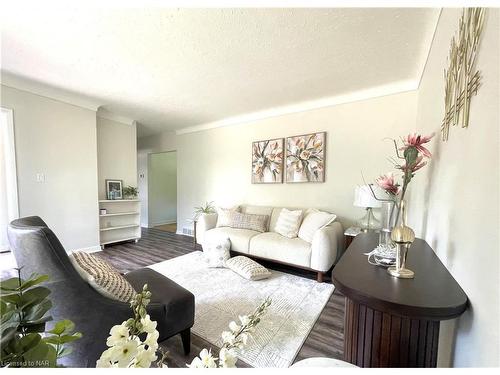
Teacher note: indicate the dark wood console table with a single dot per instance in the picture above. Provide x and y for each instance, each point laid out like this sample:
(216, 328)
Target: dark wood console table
(392, 322)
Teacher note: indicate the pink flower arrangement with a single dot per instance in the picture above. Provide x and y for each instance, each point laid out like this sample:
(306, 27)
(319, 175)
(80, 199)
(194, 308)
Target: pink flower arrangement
(387, 183)
(414, 155)
(416, 140)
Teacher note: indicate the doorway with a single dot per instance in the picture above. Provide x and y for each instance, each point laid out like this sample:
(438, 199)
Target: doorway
(9, 209)
(162, 191)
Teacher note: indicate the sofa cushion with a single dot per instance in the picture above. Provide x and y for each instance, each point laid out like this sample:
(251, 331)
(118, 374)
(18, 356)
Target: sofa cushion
(240, 238)
(274, 246)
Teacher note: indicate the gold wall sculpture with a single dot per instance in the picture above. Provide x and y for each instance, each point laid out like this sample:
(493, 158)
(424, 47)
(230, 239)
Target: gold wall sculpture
(462, 80)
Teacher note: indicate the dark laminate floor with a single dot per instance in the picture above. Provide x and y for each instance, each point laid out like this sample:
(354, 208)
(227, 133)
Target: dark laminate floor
(325, 340)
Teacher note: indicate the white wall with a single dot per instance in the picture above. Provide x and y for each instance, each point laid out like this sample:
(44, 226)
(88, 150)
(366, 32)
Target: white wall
(455, 202)
(58, 140)
(162, 188)
(116, 153)
(216, 164)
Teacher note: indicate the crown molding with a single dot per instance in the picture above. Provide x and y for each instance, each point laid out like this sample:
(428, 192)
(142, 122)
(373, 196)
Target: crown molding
(374, 92)
(51, 92)
(105, 114)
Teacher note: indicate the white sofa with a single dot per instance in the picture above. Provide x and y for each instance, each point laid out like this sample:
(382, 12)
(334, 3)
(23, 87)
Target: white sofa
(319, 255)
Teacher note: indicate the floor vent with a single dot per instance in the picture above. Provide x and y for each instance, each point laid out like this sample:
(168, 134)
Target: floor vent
(188, 231)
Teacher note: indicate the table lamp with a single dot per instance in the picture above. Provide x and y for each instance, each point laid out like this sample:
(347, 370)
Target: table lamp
(363, 197)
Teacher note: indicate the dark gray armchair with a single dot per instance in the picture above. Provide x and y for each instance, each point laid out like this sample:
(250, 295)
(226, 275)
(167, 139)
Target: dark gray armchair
(37, 249)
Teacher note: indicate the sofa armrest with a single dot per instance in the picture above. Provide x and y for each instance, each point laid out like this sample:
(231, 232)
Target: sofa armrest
(327, 246)
(205, 222)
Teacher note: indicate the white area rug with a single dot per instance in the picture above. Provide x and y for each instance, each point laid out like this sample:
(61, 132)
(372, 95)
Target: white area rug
(221, 296)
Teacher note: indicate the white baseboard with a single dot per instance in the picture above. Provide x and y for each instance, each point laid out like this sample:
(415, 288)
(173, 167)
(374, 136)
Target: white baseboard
(152, 225)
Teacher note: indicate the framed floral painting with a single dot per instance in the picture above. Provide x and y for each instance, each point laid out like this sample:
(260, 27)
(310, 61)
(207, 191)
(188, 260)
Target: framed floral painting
(267, 161)
(305, 158)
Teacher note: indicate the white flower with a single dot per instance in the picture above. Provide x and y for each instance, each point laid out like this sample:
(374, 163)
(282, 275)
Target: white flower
(106, 359)
(226, 358)
(147, 324)
(152, 339)
(144, 357)
(234, 327)
(104, 363)
(118, 335)
(196, 363)
(125, 352)
(245, 319)
(228, 337)
(205, 361)
(244, 338)
(109, 357)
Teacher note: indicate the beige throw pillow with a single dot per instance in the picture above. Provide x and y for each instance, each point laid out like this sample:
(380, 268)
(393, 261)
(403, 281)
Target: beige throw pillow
(225, 216)
(313, 221)
(102, 277)
(233, 219)
(288, 223)
(247, 268)
(248, 221)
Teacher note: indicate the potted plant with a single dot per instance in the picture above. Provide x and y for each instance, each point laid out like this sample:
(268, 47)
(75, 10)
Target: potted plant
(24, 342)
(130, 192)
(208, 208)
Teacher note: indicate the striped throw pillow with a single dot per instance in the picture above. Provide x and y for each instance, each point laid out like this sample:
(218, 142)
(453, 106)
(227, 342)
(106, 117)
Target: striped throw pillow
(102, 277)
(288, 223)
(247, 268)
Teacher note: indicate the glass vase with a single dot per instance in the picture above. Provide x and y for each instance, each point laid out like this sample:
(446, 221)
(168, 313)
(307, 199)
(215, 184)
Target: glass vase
(388, 213)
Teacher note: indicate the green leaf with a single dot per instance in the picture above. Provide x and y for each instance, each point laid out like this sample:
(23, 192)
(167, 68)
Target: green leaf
(37, 311)
(40, 356)
(63, 326)
(7, 335)
(37, 321)
(10, 315)
(54, 340)
(64, 352)
(29, 341)
(3, 307)
(10, 284)
(13, 298)
(34, 280)
(9, 324)
(35, 295)
(64, 339)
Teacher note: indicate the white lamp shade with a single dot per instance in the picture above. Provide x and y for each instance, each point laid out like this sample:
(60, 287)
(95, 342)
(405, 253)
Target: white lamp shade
(363, 197)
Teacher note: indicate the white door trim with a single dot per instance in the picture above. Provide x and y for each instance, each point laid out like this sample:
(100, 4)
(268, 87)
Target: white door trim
(10, 160)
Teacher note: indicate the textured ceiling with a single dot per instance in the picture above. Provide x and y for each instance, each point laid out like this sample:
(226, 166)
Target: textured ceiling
(175, 68)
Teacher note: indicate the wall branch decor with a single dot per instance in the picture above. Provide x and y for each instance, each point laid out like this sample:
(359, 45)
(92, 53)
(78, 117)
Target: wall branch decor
(462, 80)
